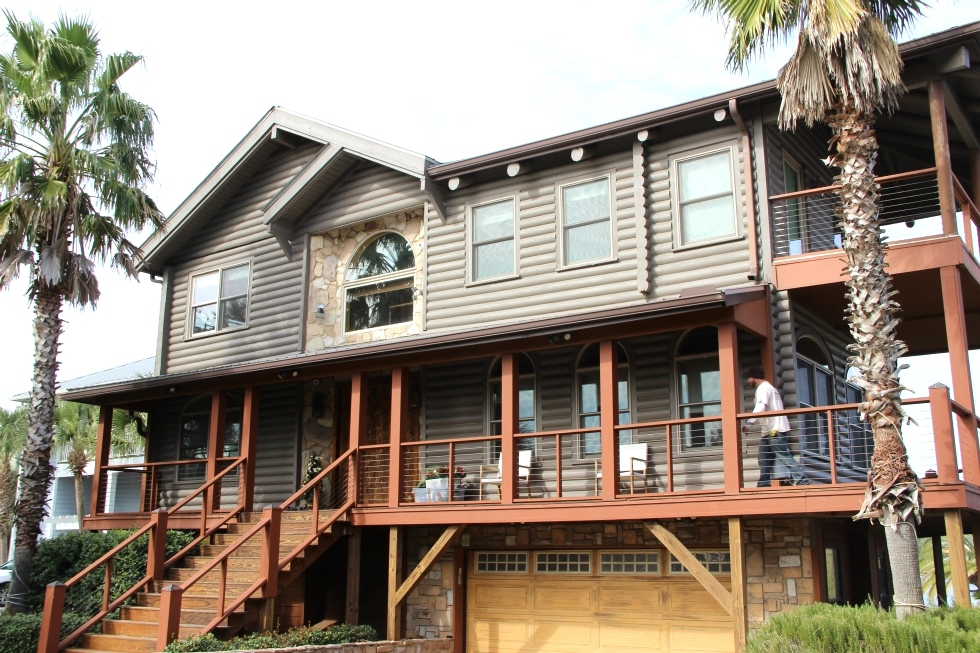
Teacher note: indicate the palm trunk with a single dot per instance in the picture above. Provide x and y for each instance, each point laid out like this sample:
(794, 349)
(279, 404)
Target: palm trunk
(893, 494)
(35, 476)
(79, 497)
(8, 495)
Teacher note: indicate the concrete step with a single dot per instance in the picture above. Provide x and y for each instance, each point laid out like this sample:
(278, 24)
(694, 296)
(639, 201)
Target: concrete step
(125, 643)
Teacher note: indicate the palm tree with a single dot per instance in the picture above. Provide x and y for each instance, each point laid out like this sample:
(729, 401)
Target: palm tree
(13, 435)
(73, 162)
(846, 68)
(927, 567)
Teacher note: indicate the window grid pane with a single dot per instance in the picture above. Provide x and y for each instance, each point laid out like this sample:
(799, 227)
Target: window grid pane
(716, 562)
(629, 562)
(493, 259)
(501, 562)
(563, 562)
(587, 242)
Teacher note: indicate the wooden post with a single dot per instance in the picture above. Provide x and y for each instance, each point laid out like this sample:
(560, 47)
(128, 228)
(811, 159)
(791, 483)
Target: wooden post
(509, 387)
(939, 567)
(959, 361)
(459, 598)
(819, 559)
(940, 146)
(352, 606)
(942, 432)
(157, 551)
(269, 556)
(740, 616)
(731, 403)
(103, 442)
(168, 626)
(216, 446)
(399, 422)
(957, 558)
(358, 422)
(395, 545)
(54, 607)
(608, 417)
(250, 439)
(692, 564)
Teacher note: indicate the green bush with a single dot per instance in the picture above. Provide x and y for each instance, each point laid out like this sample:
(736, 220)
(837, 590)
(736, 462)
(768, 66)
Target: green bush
(824, 628)
(60, 558)
(19, 632)
(337, 634)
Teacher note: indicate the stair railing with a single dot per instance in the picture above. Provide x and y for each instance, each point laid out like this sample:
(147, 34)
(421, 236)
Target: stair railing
(338, 476)
(156, 564)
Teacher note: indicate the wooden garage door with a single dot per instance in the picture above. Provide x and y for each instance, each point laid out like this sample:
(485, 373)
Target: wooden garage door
(514, 604)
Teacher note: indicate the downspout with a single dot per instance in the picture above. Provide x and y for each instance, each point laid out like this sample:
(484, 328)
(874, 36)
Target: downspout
(749, 189)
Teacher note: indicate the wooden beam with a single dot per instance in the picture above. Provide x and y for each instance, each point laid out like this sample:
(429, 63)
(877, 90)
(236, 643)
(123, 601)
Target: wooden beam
(957, 344)
(216, 445)
(740, 615)
(399, 422)
(352, 606)
(731, 405)
(940, 144)
(961, 118)
(103, 442)
(509, 414)
(957, 558)
(249, 448)
(608, 416)
(940, 570)
(692, 564)
(414, 578)
(395, 547)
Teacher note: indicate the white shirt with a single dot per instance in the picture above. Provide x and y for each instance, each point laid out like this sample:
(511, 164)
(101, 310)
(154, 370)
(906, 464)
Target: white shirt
(767, 399)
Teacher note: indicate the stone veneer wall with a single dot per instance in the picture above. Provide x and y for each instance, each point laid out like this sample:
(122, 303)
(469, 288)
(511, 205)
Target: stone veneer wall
(318, 432)
(778, 559)
(329, 255)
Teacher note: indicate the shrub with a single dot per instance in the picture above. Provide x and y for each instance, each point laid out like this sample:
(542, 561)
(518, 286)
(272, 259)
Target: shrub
(336, 634)
(824, 628)
(61, 558)
(20, 632)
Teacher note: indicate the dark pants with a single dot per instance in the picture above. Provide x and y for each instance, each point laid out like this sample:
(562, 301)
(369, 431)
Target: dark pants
(774, 447)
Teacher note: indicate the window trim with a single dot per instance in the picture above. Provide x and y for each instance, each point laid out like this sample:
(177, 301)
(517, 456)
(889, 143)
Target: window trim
(657, 553)
(471, 243)
(675, 204)
(189, 319)
(560, 264)
(671, 559)
(676, 404)
(410, 277)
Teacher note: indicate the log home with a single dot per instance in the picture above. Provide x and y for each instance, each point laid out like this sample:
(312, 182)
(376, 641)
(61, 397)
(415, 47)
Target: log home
(500, 399)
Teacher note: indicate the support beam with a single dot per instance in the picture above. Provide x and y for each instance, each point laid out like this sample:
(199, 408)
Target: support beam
(942, 433)
(939, 567)
(608, 416)
(103, 442)
(957, 344)
(250, 443)
(445, 540)
(399, 423)
(957, 558)
(352, 606)
(216, 445)
(692, 564)
(731, 404)
(960, 116)
(740, 616)
(358, 424)
(509, 408)
(395, 546)
(940, 145)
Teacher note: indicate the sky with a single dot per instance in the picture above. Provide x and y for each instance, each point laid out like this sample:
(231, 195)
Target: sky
(447, 79)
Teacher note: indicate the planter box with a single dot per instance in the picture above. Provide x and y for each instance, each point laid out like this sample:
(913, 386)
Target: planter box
(438, 489)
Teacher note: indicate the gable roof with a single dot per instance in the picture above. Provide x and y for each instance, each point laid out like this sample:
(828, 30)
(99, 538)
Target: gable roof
(341, 148)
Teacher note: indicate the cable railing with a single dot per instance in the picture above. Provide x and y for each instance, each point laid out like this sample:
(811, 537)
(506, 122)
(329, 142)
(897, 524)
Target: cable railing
(809, 221)
(150, 485)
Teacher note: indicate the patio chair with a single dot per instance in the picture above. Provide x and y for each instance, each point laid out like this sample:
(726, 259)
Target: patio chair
(632, 465)
(491, 474)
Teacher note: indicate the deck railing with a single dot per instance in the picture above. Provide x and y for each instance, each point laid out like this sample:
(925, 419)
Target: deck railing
(808, 221)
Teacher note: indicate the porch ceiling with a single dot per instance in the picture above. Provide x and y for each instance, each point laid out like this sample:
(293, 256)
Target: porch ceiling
(923, 325)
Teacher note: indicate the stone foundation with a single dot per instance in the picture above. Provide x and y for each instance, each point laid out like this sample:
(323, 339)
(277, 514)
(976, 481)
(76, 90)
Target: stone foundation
(779, 566)
(400, 646)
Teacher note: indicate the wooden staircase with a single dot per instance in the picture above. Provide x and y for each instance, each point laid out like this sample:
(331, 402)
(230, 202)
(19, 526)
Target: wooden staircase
(136, 627)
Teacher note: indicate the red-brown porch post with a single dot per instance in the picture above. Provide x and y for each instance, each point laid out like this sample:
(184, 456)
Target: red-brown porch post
(959, 362)
(103, 442)
(358, 422)
(509, 387)
(54, 607)
(168, 626)
(940, 146)
(250, 432)
(731, 403)
(608, 417)
(216, 446)
(157, 549)
(942, 432)
(399, 420)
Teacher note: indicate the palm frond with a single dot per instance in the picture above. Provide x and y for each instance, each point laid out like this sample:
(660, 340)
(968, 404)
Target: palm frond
(752, 25)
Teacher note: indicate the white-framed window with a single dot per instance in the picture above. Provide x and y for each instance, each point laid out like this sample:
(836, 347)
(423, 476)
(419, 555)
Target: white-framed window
(589, 401)
(563, 562)
(716, 562)
(699, 388)
(705, 197)
(586, 221)
(633, 563)
(380, 282)
(219, 299)
(493, 241)
(501, 562)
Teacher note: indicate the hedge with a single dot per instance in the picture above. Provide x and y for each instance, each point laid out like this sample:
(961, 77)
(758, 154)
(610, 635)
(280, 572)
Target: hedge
(19, 632)
(336, 634)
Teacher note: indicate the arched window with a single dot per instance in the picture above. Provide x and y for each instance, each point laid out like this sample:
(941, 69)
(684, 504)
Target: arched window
(195, 421)
(526, 408)
(379, 282)
(814, 387)
(699, 387)
(588, 398)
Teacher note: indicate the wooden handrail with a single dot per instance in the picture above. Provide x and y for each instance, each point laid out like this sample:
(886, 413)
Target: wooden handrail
(202, 536)
(317, 533)
(109, 554)
(217, 477)
(215, 561)
(165, 463)
(901, 176)
(316, 480)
